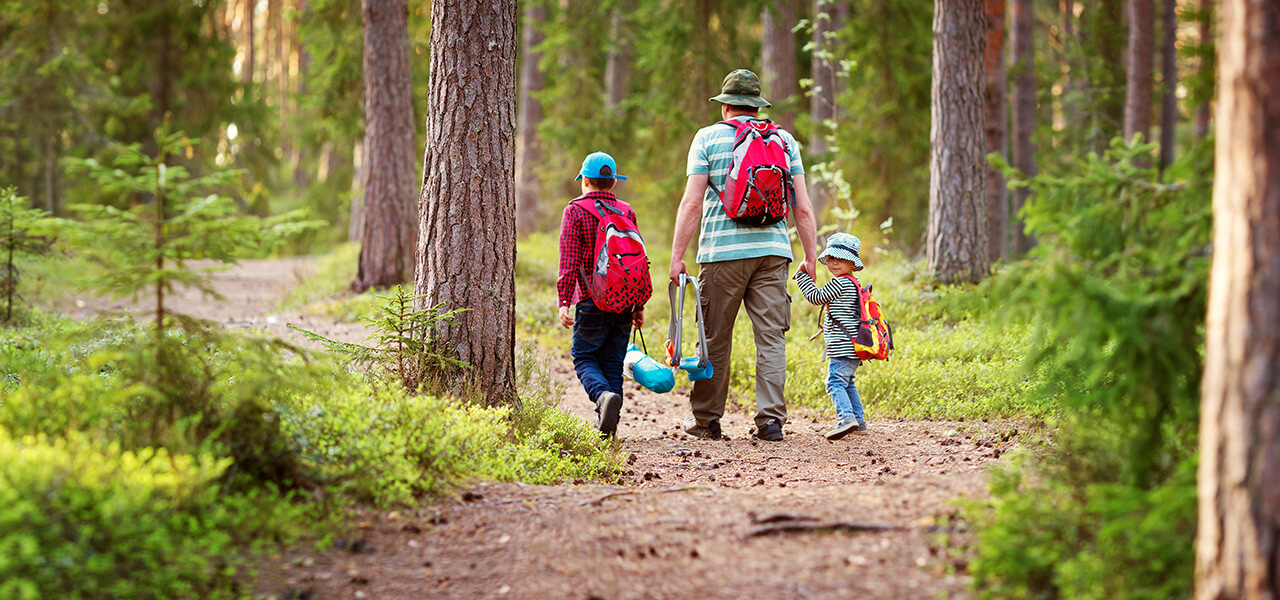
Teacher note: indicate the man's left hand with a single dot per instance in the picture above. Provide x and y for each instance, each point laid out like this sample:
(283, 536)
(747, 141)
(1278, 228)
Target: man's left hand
(637, 318)
(810, 266)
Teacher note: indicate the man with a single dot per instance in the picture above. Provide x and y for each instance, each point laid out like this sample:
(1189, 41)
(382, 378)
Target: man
(740, 266)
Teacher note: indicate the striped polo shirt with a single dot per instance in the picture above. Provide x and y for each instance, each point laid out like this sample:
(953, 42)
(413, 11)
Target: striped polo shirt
(840, 320)
(722, 238)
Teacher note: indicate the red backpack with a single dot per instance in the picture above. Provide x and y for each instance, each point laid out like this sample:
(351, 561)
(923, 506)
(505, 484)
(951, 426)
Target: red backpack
(758, 190)
(875, 337)
(619, 280)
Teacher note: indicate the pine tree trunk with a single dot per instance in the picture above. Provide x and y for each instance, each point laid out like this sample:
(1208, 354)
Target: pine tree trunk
(617, 68)
(1022, 150)
(1238, 545)
(1206, 39)
(1169, 84)
(528, 148)
(957, 242)
(997, 141)
(466, 250)
(388, 242)
(1137, 97)
(826, 87)
(778, 56)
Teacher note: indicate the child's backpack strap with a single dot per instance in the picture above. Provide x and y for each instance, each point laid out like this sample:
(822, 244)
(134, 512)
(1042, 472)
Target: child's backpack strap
(597, 207)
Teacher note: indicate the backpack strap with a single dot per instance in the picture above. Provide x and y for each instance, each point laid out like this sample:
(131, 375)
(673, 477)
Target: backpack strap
(597, 207)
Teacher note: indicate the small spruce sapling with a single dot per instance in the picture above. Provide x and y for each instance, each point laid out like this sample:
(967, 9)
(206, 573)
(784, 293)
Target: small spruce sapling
(19, 236)
(174, 217)
(401, 341)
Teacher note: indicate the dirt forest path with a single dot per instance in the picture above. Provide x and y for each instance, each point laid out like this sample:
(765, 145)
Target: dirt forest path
(733, 518)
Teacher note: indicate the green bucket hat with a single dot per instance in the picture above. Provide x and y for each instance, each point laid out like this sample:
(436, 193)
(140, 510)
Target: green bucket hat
(741, 88)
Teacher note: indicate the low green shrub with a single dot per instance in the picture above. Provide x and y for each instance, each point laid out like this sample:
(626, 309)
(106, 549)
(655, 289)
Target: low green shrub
(82, 518)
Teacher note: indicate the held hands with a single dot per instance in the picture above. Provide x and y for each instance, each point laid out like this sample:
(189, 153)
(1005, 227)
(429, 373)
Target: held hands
(566, 318)
(809, 266)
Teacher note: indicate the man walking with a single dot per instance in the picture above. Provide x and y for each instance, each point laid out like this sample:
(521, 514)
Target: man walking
(740, 265)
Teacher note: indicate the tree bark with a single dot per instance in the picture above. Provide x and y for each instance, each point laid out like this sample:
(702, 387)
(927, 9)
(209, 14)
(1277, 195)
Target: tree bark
(617, 68)
(1206, 40)
(822, 102)
(388, 241)
(528, 148)
(1137, 91)
(1238, 545)
(1169, 83)
(778, 57)
(466, 250)
(957, 240)
(1024, 114)
(997, 140)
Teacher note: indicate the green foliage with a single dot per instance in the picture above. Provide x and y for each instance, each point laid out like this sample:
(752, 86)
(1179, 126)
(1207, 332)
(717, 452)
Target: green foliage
(401, 337)
(84, 518)
(18, 238)
(171, 220)
(1116, 296)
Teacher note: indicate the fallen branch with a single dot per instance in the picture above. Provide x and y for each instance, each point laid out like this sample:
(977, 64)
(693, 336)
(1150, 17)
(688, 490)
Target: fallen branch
(805, 527)
(601, 499)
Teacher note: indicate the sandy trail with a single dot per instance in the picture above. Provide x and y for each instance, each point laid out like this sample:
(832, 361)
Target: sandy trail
(690, 519)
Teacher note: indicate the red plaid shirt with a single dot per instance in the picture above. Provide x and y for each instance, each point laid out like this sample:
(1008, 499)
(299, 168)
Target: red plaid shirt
(577, 244)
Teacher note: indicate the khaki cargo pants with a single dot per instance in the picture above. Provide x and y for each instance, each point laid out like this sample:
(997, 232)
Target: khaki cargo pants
(760, 284)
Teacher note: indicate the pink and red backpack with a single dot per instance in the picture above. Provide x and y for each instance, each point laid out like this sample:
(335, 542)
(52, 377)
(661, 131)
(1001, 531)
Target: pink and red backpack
(758, 190)
(619, 278)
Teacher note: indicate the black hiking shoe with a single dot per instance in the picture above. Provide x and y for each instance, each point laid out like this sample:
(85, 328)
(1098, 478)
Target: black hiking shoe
(771, 431)
(709, 432)
(608, 409)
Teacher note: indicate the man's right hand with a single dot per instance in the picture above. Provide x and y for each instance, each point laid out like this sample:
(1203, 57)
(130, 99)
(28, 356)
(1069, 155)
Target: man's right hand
(677, 267)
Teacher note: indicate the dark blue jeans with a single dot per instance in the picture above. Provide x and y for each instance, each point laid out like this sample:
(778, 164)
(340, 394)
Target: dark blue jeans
(599, 345)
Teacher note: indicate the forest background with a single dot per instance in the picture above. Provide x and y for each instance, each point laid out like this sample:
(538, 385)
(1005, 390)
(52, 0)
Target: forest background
(1099, 304)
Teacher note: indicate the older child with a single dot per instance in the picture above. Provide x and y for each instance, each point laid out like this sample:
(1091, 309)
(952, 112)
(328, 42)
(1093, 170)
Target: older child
(599, 337)
(840, 327)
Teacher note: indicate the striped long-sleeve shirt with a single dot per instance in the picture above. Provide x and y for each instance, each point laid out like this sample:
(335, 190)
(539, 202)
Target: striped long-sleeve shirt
(841, 320)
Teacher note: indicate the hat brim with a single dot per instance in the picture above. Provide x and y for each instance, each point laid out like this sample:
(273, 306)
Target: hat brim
(840, 254)
(740, 100)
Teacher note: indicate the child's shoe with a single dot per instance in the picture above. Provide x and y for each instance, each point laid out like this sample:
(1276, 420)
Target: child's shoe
(608, 408)
(845, 427)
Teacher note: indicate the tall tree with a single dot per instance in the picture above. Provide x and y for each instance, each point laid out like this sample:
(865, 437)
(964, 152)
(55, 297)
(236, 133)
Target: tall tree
(617, 68)
(467, 250)
(827, 22)
(1238, 545)
(1206, 54)
(1022, 151)
(1168, 82)
(1137, 95)
(997, 140)
(388, 243)
(528, 149)
(957, 243)
(778, 58)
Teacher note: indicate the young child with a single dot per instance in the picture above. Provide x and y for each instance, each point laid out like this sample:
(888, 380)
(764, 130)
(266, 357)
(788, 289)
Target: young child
(840, 324)
(599, 337)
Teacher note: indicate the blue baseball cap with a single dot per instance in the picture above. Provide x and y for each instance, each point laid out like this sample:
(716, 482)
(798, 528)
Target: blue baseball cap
(599, 165)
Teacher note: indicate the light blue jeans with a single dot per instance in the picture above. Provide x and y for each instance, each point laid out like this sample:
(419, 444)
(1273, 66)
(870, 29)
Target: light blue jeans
(844, 394)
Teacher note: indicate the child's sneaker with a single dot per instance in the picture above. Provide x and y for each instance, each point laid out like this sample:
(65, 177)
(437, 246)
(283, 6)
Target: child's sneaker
(608, 408)
(844, 427)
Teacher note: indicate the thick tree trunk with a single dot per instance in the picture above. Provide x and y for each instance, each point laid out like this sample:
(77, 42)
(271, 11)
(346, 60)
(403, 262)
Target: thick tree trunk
(617, 68)
(1206, 39)
(528, 149)
(1169, 83)
(826, 87)
(1238, 545)
(1137, 91)
(1022, 151)
(997, 140)
(957, 242)
(388, 242)
(467, 249)
(778, 57)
